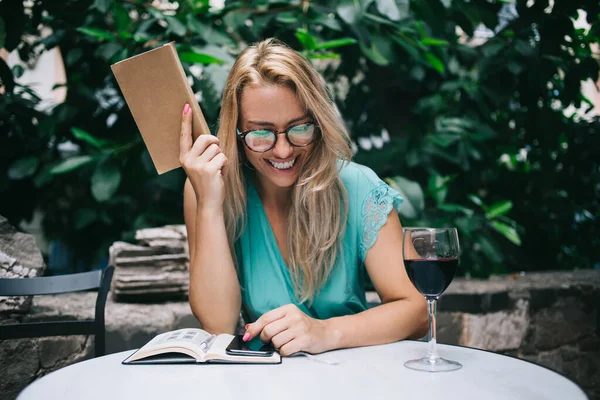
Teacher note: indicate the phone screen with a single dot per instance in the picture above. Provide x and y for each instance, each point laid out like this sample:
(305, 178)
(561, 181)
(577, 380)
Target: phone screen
(252, 348)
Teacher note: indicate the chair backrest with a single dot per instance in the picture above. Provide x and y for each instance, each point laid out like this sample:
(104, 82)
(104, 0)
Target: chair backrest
(99, 280)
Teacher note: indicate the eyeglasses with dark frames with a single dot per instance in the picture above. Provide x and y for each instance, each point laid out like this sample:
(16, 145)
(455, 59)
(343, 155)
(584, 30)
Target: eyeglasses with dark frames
(263, 140)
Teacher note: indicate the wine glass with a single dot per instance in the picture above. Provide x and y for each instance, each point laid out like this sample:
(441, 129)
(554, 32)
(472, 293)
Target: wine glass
(431, 258)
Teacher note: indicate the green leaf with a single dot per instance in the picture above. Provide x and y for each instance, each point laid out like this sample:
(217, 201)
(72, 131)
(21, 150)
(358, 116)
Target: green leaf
(89, 138)
(175, 25)
(492, 47)
(438, 187)
(155, 12)
(323, 56)
(485, 133)
(331, 44)
(74, 55)
(373, 54)
(456, 208)
(500, 208)
(524, 48)
(122, 19)
(195, 25)
(348, 13)
(412, 51)
(308, 41)
(444, 139)
(108, 50)
(70, 164)
(102, 5)
(414, 199)
(105, 180)
(96, 33)
(489, 248)
(2, 33)
(477, 201)
(84, 217)
(286, 18)
(435, 62)
(18, 71)
(329, 21)
(507, 231)
(23, 168)
(434, 42)
(389, 8)
(199, 58)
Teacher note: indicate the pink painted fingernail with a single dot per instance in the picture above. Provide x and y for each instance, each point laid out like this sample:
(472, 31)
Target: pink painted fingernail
(246, 336)
(186, 109)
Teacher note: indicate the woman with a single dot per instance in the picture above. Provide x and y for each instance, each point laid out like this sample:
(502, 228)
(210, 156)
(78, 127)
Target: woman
(282, 226)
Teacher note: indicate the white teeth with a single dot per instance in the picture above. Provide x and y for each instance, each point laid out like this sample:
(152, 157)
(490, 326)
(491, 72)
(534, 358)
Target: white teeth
(284, 165)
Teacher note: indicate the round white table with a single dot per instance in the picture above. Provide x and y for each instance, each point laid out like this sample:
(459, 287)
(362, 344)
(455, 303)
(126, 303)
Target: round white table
(375, 372)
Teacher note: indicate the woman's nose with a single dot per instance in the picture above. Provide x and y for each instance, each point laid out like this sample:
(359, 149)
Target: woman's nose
(282, 149)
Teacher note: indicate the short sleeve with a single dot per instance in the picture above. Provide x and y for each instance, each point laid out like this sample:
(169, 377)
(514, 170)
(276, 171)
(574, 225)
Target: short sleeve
(376, 199)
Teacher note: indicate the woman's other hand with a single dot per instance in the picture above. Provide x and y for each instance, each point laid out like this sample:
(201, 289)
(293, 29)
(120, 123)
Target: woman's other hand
(290, 331)
(203, 163)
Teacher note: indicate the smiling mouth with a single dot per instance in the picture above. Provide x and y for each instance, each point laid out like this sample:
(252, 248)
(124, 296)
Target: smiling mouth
(283, 166)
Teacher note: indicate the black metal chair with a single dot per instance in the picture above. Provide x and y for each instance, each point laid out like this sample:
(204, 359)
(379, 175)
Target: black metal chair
(99, 279)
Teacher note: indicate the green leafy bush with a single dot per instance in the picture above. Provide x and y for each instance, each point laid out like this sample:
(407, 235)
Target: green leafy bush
(473, 135)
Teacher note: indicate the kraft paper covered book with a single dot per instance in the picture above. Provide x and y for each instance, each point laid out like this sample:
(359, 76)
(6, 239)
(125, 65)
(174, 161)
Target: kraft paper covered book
(192, 345)
(156, 89)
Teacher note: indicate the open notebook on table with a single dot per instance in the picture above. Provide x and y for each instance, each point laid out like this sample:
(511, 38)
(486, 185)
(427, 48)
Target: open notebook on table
(192, 345)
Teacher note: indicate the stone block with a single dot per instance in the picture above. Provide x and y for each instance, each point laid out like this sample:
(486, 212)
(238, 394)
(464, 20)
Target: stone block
(449, 327)
(19, 258)
(18, 367)
(476, 303)
(565, 322)
(581, 367)
(131, 325)
(57, 352)
(496, 331)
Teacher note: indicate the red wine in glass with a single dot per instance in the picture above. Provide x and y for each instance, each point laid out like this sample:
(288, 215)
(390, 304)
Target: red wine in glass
(431, 277)
(431, 259)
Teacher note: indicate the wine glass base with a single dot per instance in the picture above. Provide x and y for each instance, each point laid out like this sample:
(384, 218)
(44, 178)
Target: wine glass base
(433, 365)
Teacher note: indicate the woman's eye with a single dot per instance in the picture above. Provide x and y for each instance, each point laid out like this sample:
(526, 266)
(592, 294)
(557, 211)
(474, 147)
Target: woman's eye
(261, 133)
(300, 128)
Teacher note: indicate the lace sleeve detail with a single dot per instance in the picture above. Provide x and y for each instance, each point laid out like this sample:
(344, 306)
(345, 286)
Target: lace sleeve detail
(376, 207)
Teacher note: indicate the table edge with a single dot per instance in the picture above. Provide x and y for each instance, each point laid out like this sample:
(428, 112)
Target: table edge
(506, 355)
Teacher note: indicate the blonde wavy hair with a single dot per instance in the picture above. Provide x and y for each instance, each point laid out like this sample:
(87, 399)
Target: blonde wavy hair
(317, 218)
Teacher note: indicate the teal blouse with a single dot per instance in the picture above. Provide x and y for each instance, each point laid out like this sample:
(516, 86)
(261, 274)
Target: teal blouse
(264, 277)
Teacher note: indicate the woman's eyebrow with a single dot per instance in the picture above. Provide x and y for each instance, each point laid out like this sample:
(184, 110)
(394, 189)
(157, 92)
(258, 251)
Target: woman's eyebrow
(267, 123)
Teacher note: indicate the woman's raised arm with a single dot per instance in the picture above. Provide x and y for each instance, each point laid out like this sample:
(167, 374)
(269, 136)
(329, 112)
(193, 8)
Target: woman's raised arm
(214, 292)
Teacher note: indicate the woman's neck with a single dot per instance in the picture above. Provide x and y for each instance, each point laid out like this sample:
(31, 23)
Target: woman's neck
(273, 197)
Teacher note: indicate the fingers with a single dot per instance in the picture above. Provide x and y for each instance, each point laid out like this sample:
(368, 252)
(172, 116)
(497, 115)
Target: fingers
(218, 162)
(185, 139)
(282, 338)
(274, 329)
(256, 328)
(211, 151)
(190, 150)
(290, 348)
(191, 159)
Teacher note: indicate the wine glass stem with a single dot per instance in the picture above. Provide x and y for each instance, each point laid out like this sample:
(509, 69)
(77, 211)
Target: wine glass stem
(432, 354)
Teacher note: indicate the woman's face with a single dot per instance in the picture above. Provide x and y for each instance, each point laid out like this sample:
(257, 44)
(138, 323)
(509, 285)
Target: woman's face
(275, 108)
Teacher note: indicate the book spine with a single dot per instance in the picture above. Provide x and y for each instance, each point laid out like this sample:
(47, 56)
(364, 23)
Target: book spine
(197, 112)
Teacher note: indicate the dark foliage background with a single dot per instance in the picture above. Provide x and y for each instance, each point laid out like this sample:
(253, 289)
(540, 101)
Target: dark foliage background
(472, 132)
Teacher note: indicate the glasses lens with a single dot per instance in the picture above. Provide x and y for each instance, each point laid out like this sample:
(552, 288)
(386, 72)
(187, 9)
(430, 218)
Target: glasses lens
(302, 135)
(260, 140)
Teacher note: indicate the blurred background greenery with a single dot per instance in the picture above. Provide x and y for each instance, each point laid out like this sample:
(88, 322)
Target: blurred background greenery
(473, 110)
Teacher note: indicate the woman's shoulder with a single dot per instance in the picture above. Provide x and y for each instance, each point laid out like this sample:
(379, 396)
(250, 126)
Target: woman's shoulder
(353, 174)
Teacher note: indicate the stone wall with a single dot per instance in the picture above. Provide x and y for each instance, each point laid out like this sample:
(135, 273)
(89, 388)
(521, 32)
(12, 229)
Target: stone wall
(552, 319)
(128, 326)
